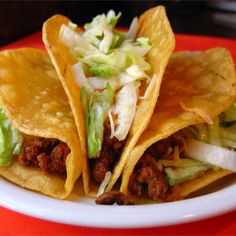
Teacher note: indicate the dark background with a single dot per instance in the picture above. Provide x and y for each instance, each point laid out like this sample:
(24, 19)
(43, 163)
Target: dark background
(20, 18)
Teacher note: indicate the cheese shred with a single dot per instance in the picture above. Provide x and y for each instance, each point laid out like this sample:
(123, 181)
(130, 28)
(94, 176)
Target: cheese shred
(150, 86)
(197, 111)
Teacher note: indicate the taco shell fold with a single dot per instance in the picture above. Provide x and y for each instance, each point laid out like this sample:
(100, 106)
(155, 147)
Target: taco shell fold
(201, 79)
(154, 25)
(35, 102)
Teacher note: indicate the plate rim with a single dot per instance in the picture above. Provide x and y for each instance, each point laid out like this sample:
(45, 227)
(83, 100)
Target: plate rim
(7, 197)
(68, 212)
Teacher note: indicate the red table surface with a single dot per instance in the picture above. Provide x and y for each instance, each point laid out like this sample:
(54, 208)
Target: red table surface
(13, 223)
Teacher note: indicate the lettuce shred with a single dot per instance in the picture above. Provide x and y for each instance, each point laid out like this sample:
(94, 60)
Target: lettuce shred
(96, 108)
(10, 140)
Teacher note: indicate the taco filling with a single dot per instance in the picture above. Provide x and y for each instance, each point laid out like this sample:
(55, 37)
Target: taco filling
(186, 155)
(48, 154)
(110, 66)
(39, 144)
(45, 153)
(190, 140)
(112, 80)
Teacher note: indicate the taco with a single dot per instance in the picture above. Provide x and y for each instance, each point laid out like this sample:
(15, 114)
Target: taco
(112, 80)
(39, 144)
(190, 140)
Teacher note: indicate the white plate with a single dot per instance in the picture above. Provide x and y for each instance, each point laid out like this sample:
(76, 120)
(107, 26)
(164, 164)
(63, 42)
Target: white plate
(83, 211)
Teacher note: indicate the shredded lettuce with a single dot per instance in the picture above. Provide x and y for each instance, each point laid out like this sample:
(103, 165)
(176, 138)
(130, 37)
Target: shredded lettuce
(100, 83)
(10, 140)
(95, 114)
(118, 38)
(211, 143)
(133, 29)
(216, 134)
(208, 146)
(112, 18)
(134, 58)
(143, 41)
(80, 77)
(115, 59)
(103, 70)
(176, 176)
(100, 43)
(106, 61)
(106, 42)
(124, 109)
(211, 154)
(180, 163)
(76, 43)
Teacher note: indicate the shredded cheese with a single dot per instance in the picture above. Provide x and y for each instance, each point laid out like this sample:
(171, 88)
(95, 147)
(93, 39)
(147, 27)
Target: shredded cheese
(104, 183)
(197, 111)
(111, 123)
(150, 86)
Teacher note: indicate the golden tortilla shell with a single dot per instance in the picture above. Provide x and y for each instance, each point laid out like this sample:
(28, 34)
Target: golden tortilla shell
(34, 100)
(204, 80)
(153, 24)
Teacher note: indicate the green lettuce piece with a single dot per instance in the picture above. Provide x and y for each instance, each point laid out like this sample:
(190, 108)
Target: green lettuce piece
(103, 70)
(95, 22)
(118, 60)
(95, 129)
(118, 38)
(103, 49)
(112, 18)
(87, 26)
(176, 176)
(10, 140)
(137, 60)
(115, 59)
(95, 114)
(144, 42)
(93, 143)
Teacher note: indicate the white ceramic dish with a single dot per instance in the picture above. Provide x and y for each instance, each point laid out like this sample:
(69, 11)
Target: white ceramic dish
(83, 211)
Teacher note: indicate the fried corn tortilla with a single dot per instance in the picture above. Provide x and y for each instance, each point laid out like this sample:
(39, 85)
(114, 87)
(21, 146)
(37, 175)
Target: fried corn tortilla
(204, 80)
(154, 25)
(35, 102)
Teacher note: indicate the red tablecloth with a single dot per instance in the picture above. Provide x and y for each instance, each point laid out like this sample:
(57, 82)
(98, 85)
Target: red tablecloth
(13, 223)
(17, 224)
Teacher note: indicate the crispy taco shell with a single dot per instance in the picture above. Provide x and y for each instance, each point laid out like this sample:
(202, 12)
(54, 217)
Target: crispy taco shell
(34, 100)
(152, 24)
(204, 80)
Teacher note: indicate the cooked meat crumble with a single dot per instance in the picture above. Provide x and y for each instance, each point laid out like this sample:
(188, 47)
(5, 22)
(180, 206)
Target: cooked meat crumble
(110, 152)
(48, 154)
(113, 197)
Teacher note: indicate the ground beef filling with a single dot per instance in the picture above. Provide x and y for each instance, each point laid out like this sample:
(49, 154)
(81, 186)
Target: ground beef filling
(165, 147)
(47, 154)
(148, 178)
(113, 197)
(110, 152)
